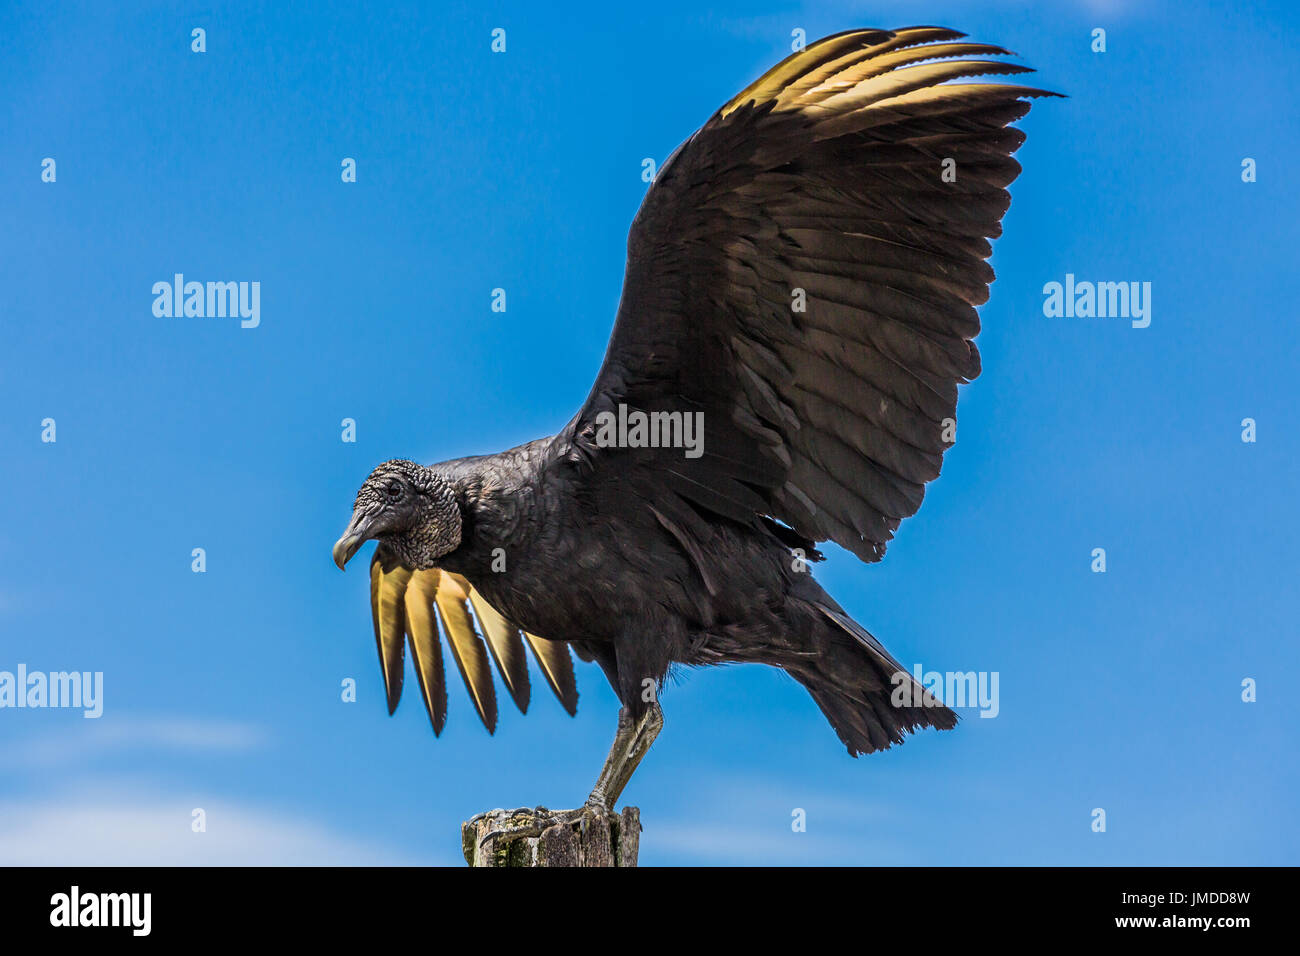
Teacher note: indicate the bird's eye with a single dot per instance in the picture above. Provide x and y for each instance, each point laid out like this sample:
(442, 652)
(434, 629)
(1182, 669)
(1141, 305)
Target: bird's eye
(394, 490)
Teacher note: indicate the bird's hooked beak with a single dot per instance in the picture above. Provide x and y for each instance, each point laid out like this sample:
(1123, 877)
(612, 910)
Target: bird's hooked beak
(357, 533)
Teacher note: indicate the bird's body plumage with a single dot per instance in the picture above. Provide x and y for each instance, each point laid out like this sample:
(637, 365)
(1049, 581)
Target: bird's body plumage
(621, 588)
(802, 281)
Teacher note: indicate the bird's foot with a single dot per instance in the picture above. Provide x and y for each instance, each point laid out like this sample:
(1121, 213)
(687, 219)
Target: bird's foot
(590, 835)
(531, 821)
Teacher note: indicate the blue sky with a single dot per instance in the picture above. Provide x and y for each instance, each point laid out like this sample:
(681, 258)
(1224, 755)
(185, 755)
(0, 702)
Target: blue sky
(522, 170)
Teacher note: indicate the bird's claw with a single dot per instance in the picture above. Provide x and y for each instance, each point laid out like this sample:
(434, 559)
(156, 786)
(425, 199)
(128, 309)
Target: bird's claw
(540, 819)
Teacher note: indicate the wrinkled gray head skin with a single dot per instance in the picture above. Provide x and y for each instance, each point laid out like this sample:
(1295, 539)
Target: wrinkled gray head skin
(409, 509)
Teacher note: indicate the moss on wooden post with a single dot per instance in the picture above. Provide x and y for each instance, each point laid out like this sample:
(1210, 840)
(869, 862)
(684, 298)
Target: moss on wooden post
(541, 837)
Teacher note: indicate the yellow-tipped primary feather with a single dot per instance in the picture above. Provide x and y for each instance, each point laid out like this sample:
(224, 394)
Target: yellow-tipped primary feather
(466, 647)
(557, 667)
(506, 647)
(779, 77)
(422, 630)
(387, 610)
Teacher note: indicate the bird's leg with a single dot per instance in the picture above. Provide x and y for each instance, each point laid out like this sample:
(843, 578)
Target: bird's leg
(631, 743)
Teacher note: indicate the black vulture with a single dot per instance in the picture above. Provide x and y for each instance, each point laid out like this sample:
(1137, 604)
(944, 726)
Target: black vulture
(797, 313)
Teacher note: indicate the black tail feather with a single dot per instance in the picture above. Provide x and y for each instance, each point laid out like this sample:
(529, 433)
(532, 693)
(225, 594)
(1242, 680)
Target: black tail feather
(871, 701)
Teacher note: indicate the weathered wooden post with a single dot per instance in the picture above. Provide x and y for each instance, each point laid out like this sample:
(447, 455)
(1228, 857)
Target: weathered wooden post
(540, 837)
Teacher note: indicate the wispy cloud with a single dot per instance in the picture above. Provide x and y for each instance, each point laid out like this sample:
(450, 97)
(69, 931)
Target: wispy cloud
(156, 831)
(87, 741)
(740, 845)
(756, 826)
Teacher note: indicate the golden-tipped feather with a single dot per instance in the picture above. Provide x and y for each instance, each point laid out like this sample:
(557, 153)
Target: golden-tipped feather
(507, 649)
(466, 646)
(557, 667)
(388, 612)
(425, 646)
(852, 72)
(827, 49)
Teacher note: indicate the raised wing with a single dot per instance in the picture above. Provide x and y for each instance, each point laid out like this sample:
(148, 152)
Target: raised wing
(408, 606)
(803, 274)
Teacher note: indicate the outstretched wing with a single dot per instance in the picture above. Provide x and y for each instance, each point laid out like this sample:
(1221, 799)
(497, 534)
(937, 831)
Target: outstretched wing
(407, 607)
(803, 275)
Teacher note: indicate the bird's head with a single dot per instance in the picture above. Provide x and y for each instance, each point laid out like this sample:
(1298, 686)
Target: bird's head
(410, 509)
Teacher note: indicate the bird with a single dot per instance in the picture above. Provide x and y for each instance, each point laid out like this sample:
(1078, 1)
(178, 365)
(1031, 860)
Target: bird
(798, 310)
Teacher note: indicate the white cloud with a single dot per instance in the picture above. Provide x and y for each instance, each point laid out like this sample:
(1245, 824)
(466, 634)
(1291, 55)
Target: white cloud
(107, 820)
